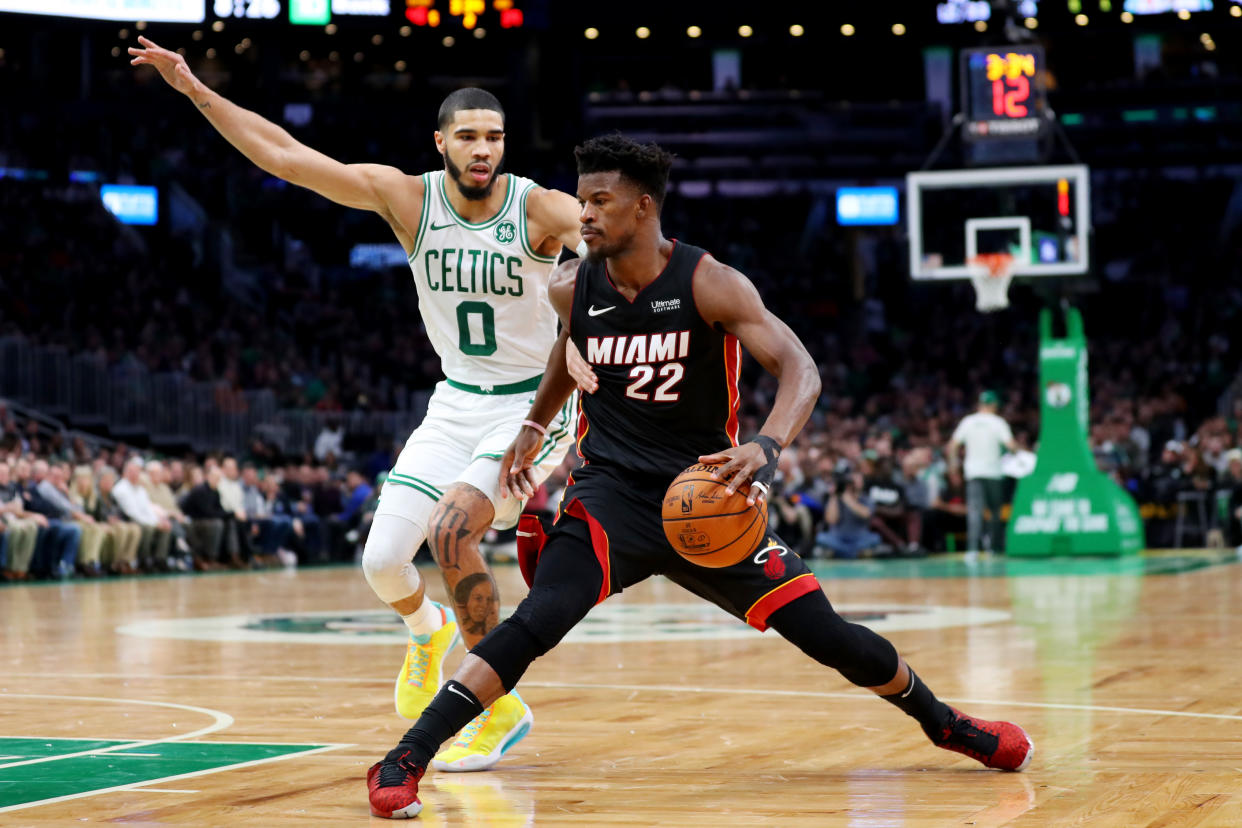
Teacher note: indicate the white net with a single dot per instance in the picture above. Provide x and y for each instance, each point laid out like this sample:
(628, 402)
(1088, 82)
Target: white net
(991, 274)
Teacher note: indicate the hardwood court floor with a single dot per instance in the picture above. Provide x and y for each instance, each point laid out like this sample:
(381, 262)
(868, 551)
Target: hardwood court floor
(262, 698)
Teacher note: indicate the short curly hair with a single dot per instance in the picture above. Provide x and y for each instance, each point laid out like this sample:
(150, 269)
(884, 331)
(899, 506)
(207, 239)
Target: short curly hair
(646, 165)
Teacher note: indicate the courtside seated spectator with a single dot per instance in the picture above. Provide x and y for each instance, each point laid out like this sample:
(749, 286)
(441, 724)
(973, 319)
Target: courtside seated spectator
(82, 494)
(892, 518)
(913, 480)
(164, 498)
(56, 551)
(848, 516)
(327, 502)
(287, 525)
(948, 512)
(134, 501)
(21, 528)
(236, 527)
(269, 533)
(120, 552)
(343, 524)
(208, 517)
(1229, 496)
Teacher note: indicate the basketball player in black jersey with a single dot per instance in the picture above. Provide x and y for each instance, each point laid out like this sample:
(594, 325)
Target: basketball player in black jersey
(660, 322)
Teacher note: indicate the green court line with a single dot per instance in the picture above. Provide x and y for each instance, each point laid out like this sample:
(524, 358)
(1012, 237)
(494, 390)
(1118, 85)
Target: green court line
(19, 749)
(57, 779)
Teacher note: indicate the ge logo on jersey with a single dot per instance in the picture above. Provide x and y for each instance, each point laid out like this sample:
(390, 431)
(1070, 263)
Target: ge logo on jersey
(506, 232)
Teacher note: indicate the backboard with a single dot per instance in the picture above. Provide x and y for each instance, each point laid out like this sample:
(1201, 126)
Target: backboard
(1041, 214)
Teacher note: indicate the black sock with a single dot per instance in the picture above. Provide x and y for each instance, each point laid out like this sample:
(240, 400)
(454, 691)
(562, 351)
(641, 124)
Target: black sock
(451, 710)
(921, 704)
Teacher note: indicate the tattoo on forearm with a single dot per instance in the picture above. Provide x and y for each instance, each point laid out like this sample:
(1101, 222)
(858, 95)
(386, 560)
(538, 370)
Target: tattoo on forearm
(205, 105)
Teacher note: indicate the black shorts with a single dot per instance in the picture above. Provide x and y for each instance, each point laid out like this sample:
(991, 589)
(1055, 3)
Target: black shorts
(616, 513)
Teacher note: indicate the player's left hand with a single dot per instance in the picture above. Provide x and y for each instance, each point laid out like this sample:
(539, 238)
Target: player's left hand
(516, 476)
(753, 462)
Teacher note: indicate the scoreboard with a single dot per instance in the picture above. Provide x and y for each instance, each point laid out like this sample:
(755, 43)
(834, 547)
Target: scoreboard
(1003, 94)
(463, 14)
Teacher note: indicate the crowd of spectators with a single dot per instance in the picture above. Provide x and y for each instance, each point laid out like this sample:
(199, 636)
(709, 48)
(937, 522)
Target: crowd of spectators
(900, 364)
(70, 511)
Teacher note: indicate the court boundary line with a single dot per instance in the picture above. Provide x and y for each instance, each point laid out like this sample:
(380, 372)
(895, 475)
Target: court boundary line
(660, 688)
(133, 787)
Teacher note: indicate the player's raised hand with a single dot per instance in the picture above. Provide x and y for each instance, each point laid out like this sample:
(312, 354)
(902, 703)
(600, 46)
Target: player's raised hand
(171, 66)
(516, 465)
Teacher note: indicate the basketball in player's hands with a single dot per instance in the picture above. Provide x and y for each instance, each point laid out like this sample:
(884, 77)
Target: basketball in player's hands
(706, 525)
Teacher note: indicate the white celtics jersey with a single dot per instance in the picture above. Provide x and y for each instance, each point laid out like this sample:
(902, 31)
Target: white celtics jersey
(483, 290)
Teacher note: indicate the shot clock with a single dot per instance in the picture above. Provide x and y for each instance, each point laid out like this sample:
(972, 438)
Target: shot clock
(1003, 92)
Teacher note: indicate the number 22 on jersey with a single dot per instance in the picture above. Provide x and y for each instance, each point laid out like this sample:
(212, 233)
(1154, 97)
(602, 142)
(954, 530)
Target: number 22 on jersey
(671, 374)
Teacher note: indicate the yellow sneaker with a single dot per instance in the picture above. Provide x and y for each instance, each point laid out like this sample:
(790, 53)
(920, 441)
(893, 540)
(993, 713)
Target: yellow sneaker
(421, 674)
(486, 739)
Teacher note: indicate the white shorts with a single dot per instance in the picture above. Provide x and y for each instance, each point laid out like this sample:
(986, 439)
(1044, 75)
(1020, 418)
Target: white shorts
(461, 440)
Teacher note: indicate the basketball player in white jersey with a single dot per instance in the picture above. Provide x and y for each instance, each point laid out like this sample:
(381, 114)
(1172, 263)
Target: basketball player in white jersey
(481, 245)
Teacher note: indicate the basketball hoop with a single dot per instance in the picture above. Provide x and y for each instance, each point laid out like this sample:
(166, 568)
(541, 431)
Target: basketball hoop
(991, 274)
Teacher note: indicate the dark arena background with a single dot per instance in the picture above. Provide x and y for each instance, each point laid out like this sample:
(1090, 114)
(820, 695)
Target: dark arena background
(1024, 211)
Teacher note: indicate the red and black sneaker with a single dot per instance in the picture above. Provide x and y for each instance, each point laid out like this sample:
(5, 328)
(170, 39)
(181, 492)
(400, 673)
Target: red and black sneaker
(392, 786)
(1000, 745)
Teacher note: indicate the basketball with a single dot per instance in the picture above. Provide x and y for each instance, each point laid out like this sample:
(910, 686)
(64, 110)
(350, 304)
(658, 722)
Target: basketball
(707, 526)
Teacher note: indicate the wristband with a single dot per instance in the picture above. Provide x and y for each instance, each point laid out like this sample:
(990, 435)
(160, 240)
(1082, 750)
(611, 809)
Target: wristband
(543, 431)
(766, 473)
(771, 448)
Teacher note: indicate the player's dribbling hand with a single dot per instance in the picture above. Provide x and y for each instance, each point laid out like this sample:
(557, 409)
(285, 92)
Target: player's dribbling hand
(171, 66)
(515, 467)
(755, 461)
(580, 369)
(738, 465)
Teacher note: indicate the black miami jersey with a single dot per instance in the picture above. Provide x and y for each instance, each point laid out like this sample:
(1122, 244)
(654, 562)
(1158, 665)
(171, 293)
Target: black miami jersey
(667, 379)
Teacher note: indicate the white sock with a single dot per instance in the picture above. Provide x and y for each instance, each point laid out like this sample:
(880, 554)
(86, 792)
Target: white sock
(425, 620)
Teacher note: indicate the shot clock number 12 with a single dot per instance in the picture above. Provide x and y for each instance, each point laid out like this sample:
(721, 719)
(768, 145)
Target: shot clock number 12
(1003, 92)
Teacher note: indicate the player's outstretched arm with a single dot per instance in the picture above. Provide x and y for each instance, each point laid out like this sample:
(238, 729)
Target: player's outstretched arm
(554, 389)
(727, 300)
(271, 148)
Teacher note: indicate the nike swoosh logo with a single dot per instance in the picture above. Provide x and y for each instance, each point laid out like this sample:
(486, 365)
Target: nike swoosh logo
(591, 311)
(453, 689)
(443, 226)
